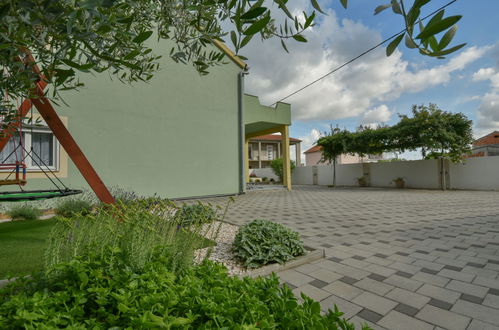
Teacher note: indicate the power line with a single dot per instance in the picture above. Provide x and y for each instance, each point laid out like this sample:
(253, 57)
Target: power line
(359, 56)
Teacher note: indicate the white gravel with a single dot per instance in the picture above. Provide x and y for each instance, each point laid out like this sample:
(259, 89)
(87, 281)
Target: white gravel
(223, 234)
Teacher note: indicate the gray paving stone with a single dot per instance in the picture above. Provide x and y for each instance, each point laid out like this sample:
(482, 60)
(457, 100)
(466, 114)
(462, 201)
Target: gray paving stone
(359, 322)
(374, 302)
(406, 309)
(431, 279)
(457, 275)
(440, 304)
(404, 283)
(479, 325)
(491, 301)
(471, 289)
(343, 290)
(296, 278)
(443, 318)
(439, 293)
(374, 286)
(486, 282)
(369, 315)
(325, 275)
(408, 297)
(311, 291)
(397, 321)
(470, 298)
(480, 312)
(345, 306)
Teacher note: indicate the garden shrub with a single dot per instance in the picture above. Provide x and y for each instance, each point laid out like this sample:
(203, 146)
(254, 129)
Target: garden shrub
(277, 167)
(71, 207)
(104, 292)
(25, 212)
(261, 242)
(195, 214)
(138, 229)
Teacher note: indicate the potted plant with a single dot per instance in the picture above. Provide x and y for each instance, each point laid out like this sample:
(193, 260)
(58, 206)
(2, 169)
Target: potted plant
(362, 181)
(399, 182)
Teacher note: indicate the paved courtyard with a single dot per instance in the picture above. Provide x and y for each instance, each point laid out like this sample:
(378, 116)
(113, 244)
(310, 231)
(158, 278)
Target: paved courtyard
(396, 259)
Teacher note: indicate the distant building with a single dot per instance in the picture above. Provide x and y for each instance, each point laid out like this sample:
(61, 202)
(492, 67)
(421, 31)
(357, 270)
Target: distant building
(262, 150)
(487, 145)
(314, 155)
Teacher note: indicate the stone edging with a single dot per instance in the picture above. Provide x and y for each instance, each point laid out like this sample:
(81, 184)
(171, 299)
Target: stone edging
(312, 255)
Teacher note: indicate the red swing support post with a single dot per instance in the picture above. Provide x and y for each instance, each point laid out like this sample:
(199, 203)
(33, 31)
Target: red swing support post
(50, 116)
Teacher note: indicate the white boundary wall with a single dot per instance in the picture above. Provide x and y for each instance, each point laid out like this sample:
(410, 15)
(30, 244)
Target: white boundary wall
(480, 173)
(416, 174)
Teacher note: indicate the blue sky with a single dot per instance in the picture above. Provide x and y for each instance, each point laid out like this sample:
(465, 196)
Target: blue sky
(375, 88)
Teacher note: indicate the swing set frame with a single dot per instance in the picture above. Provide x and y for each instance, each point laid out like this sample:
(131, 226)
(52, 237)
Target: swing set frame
(54, 122)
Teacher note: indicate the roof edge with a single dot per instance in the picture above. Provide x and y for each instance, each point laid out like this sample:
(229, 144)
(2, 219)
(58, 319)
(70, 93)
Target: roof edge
(230, 54)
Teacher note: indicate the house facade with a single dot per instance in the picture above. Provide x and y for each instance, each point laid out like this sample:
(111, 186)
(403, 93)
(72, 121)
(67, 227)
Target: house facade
(159, 137)
(262, 150)
(487, 145)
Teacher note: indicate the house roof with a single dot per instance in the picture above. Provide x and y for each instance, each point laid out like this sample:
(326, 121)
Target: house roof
(230, 54)
(272, 137)
(491, 138)
(313, 149)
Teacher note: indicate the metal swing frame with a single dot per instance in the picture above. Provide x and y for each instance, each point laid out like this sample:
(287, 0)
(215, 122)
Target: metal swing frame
(50, 116)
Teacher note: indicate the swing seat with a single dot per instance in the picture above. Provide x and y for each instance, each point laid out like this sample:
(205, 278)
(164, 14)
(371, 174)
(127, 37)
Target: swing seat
(19, 182)
(31, 195)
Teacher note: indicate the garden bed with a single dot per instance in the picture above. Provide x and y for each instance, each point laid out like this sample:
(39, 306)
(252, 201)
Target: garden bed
(223, 234)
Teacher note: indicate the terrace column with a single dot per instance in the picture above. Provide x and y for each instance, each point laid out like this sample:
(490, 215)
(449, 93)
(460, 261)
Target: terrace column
(298, 154)
(286, 170)
(259, 154)
(279, 150)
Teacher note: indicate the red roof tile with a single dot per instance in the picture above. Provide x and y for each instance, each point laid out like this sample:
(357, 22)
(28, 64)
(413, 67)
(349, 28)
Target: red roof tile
(313, 149)
(492, 138)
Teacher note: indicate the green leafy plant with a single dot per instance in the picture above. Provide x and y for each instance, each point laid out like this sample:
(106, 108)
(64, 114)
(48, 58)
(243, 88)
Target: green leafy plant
(277, 167)
(138, 229)
(103, 291)
(196, 214)
(72, 207)
(25, 212)
(261, 242)
(399, 182)
(362, 181)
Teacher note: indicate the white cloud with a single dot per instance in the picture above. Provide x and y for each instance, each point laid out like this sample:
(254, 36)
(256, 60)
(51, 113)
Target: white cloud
(488, 114)
(377, 115)
(308, 141)
(351, 91)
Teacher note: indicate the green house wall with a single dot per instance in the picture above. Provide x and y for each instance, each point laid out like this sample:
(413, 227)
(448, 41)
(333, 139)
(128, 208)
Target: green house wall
(175, 136)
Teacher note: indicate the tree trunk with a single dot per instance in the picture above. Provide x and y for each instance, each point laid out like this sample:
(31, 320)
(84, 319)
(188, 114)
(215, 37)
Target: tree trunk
(334, 172)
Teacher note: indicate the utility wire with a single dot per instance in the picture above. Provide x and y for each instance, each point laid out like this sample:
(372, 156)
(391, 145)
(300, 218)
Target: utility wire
(359, 56)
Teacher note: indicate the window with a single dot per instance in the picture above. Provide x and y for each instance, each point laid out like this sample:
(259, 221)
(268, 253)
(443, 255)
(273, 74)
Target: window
(45, 150)
(270, 152)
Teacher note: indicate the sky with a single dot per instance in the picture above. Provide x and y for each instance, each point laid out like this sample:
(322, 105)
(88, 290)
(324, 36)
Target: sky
(376, 88)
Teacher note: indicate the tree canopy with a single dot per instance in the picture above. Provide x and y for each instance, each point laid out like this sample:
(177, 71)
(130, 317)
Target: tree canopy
(436, 132)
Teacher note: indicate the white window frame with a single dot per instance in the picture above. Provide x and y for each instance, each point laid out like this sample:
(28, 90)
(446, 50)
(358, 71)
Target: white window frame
(30, 164)
(270, 152)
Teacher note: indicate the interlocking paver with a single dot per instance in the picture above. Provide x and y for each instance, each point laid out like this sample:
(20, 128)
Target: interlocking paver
(375, 303)
(439, 293)
(471, 289)
(431, 238)
(312, 291)
(480, 312)
(479, 325)
(343, 290)
(443, 318)
(409, 298)
(397, 321)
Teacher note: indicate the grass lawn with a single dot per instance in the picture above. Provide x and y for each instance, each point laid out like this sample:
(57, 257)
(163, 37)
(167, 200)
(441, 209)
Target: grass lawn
(21, 246)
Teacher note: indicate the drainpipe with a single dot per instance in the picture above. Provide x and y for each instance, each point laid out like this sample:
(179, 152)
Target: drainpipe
(241, 131)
